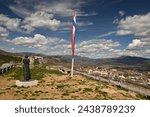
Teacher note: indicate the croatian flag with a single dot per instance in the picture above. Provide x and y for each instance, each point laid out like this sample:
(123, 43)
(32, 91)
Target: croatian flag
(73, 33)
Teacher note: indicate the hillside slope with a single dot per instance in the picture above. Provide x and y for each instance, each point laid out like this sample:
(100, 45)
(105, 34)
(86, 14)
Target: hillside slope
(7, 57)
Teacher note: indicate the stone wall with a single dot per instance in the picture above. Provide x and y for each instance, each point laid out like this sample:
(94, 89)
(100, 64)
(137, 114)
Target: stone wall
(6, 67)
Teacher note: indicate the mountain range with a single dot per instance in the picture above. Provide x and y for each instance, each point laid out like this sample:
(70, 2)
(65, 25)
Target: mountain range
(131, 61)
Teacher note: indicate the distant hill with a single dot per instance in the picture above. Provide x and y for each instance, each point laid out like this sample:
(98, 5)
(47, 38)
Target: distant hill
(2, 52)
(123, 62)
(127, 60)
(7, 57)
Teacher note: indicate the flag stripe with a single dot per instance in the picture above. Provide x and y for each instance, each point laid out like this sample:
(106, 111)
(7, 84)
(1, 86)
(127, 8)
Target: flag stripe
(73, 34)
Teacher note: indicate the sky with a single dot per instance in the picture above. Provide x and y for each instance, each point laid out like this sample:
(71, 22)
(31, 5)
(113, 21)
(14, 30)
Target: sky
(105, 28)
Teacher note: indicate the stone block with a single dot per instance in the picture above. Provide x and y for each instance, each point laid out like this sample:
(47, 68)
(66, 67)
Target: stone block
(26, 83)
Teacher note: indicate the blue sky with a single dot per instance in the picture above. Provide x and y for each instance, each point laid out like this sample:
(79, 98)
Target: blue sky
(105, 28)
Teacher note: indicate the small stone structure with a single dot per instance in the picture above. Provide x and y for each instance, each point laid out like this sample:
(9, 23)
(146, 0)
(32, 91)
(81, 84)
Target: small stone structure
(64, 70)
(34, 59)
(26, 83)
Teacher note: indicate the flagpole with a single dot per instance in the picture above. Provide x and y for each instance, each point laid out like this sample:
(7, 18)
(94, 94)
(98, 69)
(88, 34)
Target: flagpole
(72, 67)
(73, 40)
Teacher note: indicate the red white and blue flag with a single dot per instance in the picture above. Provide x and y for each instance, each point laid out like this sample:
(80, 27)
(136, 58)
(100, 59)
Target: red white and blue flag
(73, 33)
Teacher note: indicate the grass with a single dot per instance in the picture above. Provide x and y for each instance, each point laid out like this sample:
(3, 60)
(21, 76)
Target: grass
(55, 72)
(39, 91)
(14, 86)
(87, 90)
(33, 94)
(105, 94)
(18, 91)
(121, 88)
(17, 73)
(37, 72)
(65, 94)
(97, 89)
(46, 99)
(31, 99)
(143, 97)
(76, 90)
(147, 97)
(15, 94)
(2, 93)
(82, 82)
(8, 88)
(60, 86)
(48, 84)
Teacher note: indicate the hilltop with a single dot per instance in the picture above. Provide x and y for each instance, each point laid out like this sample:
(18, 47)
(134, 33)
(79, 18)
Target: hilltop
(53, 86)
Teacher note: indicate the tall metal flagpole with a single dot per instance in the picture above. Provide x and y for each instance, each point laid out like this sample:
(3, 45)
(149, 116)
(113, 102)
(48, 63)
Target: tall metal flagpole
(73, 39)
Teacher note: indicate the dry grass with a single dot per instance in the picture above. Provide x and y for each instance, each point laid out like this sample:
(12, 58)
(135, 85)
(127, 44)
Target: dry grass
(62, 87)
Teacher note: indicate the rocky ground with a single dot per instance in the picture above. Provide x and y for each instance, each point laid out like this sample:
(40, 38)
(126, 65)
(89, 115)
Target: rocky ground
(62, 87)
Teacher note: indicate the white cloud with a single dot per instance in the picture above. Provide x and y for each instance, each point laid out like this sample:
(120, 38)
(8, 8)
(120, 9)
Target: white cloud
(88, 49)
(12, 48)
(38, 41)
(10, 23)
(84, 23)
(66, 26)
(3, 33)
(55, 46)
(139, 47)
(135, 44)
(40, 19)
(20, 9)
(97, 48)
(61, 8)
(123, 32)
(107, 34)
(49, 14)
(97, 45)
(62, 47)
(121, 13)
(80, 24)
(137, 25)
